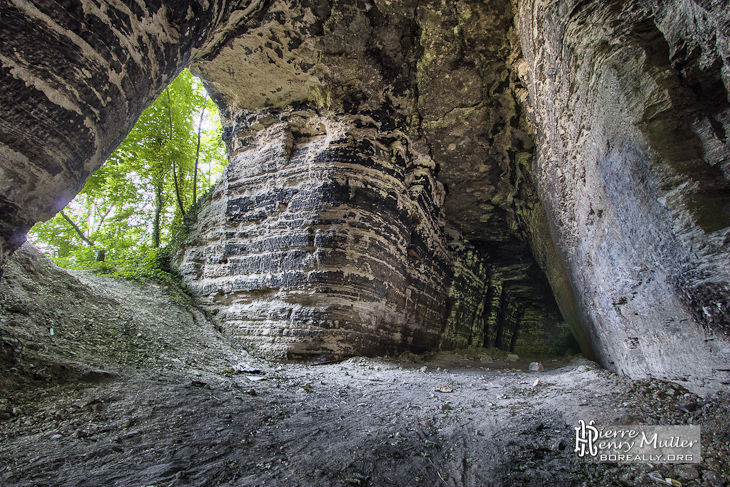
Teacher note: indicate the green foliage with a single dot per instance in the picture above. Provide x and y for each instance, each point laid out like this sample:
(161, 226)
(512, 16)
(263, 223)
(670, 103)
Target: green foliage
(152, 264)
(130, 206)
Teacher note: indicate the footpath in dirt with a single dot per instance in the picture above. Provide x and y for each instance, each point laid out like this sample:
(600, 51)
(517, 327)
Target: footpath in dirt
(136, 387)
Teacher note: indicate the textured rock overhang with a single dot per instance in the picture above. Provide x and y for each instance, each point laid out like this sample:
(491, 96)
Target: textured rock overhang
(585, 139)
(385, 210)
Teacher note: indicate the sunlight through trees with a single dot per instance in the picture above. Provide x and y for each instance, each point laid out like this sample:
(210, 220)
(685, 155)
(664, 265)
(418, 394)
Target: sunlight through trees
(133, 202)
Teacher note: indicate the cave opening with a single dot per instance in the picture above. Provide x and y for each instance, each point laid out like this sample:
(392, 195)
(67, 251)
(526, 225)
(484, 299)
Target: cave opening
(461, 186)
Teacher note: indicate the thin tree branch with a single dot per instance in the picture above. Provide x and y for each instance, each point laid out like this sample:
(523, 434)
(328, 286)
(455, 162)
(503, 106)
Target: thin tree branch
(101, 222)
(78, 230)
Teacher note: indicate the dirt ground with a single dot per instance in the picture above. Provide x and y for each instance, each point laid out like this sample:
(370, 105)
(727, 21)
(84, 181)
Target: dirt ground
(136, 387)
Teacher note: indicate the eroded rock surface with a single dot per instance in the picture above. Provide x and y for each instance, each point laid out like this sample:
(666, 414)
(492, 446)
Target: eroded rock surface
(326, 238)
(631, 107)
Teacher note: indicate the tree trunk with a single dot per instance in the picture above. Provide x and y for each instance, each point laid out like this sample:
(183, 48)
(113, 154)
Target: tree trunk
(159, 186)
(197, 152)
(78, 230)
(174, 170)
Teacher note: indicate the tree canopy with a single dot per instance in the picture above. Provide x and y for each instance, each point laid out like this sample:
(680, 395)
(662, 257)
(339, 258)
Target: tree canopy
(132, 203)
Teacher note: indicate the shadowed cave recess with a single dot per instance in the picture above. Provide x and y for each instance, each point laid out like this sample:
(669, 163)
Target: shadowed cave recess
(536, 176)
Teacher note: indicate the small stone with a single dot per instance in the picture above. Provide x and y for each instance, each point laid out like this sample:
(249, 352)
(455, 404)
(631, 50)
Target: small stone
(423, 369)
(446, 407)
(688, 472)
(536, 367)
(712, 479)
(627, 419)
(244, 368)
(687, 408)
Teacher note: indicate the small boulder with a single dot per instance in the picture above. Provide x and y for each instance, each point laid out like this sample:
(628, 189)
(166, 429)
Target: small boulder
(536, 367)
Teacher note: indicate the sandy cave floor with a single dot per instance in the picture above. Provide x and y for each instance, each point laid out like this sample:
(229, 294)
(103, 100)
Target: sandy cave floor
(137, 388)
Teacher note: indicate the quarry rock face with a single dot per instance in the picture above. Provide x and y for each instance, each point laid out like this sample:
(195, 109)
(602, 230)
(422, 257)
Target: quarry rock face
(333, 232)
(414, 175)
(326, 238)
(632, 113)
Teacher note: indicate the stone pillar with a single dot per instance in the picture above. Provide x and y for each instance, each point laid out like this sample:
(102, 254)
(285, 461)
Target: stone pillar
(325, 238)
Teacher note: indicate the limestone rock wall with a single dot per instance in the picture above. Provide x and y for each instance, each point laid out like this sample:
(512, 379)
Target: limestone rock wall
(630, 106)
(340, 222)
(324, 239)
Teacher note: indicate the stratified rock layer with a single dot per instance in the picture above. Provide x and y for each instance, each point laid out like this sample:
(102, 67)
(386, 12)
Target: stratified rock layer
(323, 238)
(403, 173)
(332, 233)
(326, 238)
(630, 102)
